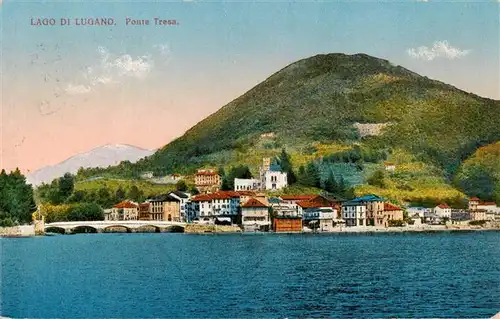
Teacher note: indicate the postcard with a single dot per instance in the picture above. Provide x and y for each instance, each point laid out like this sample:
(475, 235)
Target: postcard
(250, 159)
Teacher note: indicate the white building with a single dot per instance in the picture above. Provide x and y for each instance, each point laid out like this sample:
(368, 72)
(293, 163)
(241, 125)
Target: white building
(324, 217)
(147, 175)
(443, 211)
(183, 199)
(255, 216)
(126, 210)
(215, 205)
(420, 211)
(354, 213)
(246, 184)
(271, 176)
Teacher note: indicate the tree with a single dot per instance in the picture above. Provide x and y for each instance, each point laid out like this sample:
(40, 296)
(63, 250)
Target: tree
(194, 191)
(311, 176)
(66, 186)
(225, 184)
(119, 195)
(286, 165)
(103, 198)
(331, 184)
(480, 182)
(85, 212)
(77, 197)
(241, 171)
(342, 187)
(378, 179)
(181, 186)
(136, 195)
(17, 202)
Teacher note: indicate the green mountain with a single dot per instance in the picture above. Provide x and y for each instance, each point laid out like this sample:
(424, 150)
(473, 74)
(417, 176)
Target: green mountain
(319, 99)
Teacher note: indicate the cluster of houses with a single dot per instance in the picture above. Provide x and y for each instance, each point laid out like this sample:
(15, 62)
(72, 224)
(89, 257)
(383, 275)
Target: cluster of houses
(254, 211)
(477, 210)
(249, 206)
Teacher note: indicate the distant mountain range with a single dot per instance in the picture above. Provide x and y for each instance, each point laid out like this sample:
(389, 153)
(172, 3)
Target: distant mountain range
(104, 156)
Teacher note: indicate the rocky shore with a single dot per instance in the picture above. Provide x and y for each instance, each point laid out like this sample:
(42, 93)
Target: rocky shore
(201, 229)
(18, 231)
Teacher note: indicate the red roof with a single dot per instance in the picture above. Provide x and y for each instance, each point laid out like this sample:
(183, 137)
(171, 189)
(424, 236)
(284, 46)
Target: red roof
(388, 164)
(297, 197)
(245, 193)
(474, 199)
(443, 206)
(390, 207)
(252, 202)
(202, 197)
(223, 195)
(126, 204)
(206, 173)
(487, 204)
(317, 202)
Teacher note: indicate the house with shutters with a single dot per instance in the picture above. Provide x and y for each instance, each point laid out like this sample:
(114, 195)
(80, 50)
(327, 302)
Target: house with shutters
(442, 211)
(255, 216)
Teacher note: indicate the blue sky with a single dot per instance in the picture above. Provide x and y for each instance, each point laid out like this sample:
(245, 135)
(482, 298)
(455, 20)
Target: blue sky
(219, 50)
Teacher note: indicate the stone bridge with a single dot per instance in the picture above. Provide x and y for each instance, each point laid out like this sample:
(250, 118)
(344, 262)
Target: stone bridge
(130, 226)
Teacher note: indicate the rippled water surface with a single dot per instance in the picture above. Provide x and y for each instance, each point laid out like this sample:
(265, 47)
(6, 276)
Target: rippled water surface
(248, 276)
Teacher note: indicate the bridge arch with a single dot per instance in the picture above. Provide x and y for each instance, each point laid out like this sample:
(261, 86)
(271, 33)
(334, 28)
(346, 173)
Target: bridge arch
(84, 229)
(145, 228)
(174, 229)
(112, 229)
(55, 229)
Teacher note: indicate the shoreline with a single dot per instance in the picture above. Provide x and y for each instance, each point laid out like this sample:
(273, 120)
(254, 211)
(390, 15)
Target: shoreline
(343, 230)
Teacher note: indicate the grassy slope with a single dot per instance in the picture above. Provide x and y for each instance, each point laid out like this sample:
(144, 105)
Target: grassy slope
(414, 181)
(112, 185)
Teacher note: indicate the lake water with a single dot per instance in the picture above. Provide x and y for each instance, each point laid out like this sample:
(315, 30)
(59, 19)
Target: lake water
(251, 276)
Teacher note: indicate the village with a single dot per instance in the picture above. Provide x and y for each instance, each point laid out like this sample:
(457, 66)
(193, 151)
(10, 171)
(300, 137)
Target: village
(250, 207)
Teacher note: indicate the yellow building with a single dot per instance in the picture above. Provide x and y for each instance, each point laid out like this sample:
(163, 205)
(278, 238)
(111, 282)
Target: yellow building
(165, 207)
(207, 181)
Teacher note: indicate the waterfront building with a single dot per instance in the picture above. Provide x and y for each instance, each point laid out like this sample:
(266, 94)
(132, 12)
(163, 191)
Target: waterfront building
(281, 208)
(420, 211)
(125, 210)
(473, 202)
(391, 212)
(255, 216)
(460, 217)
(203, 204)
(287, 224)
(207, 181)
(165, 207)
(443, 211)
(354, 213)
(374, 208)
(183, 198)
(108, 214)
(490, 207)
(433, 218)
(478, 214)
(222, 205)
(320, 218)
(293, 200)
(145, 211)
(247, 184)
